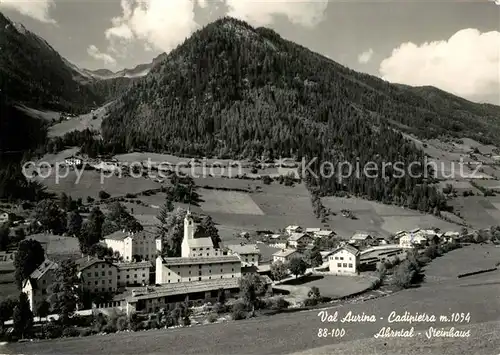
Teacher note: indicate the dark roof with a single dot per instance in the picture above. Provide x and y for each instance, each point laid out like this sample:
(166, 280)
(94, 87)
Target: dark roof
(84, 263)
(347, 247)
(200, 260)
(121, 235)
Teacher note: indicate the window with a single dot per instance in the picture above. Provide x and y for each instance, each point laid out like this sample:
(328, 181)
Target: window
(96, 274)
(208, 254)
(118, 277)
(96, 282)
(199, 273)
(350, 265)
(190, 272)
(345, 265)
(135, 276)
(128, 276)
(208, 248)
(103, 266)
(103, 273)
(110, 273)
(168, 274)
(199, 278)
(89, 274)
(179, 280)
(221, 270)
(336, 258)
(341, 258)
(350, 258)
(199, 266)
(339, 265)
(189, 279)
(110, 288)
(232, 269)
(103, 281)
(88, 283)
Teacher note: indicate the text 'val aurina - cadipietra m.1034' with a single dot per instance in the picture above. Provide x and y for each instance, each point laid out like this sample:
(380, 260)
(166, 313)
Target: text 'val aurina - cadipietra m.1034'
(446, 325)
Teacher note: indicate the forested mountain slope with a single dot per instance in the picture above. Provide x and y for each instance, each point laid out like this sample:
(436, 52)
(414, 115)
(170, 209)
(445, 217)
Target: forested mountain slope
(231, 89)
(33, 73)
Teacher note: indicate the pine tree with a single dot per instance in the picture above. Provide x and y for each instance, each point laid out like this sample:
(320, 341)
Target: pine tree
(22, 317)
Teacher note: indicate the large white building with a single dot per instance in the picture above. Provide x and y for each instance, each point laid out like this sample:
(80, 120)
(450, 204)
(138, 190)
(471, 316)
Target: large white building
(344, 260)
(36, 287)
(285, 255)
(133, 274)
(249, 254)
(411, 240)
(174, 270)
(199, 260)
(97, 275)
(133, 244)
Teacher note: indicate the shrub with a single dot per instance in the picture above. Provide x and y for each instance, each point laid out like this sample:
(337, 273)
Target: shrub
(103, 195)
(239, 311)
(423, 260)
(85, 332)
(238, 314)
(314, 293)
(109, 328)
(221, 308)
(309, 302)
(129, 195)
(212, 317)
(267, 180)
(54, 330)
(407, 273)
(122, 323)
(431, 252)
(280, 303)
(70, 332)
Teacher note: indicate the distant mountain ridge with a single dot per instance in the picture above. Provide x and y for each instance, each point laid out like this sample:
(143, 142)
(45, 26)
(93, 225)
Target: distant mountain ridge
(33, 73)
(136, 72)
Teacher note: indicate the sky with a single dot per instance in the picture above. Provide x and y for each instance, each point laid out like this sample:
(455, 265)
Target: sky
(453, 45)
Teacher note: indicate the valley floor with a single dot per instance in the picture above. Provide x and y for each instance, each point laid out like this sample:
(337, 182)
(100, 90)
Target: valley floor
(297, 333)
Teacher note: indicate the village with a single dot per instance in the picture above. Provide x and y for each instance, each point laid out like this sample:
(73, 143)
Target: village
(137, 278)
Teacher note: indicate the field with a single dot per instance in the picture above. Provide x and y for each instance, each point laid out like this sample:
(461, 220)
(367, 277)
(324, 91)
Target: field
(79, 123)
(56, 245)
(298, 332)
(329, 286)
(89, 184)
(378, 218)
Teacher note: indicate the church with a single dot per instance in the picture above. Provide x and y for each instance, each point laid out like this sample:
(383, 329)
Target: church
(199, 260)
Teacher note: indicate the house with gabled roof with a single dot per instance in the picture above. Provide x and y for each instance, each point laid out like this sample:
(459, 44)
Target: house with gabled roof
(248, 253)
(299, 240)
(36, 286)
(285, 255)
(293, 229)
(97, 275)
(344, 260)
